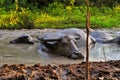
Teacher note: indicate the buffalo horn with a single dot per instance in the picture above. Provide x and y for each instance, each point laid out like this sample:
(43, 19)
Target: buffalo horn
(49, 40)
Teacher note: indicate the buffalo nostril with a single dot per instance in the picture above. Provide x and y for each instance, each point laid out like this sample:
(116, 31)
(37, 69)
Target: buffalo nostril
(78, 54)
(11, 42)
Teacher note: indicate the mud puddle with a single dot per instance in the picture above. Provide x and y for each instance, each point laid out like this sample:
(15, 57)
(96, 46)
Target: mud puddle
(29, 54)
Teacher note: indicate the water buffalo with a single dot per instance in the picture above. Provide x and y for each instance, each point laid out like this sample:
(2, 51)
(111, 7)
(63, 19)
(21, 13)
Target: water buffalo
(23, 39)
(65, 42)
(115, 40)
(100, 36)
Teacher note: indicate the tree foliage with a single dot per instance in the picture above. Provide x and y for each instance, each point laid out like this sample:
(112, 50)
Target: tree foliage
(58, 13)
(41, 3)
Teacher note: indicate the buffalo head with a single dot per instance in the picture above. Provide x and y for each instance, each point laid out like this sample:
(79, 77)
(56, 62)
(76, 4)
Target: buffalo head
(23, 39)
(65, 45)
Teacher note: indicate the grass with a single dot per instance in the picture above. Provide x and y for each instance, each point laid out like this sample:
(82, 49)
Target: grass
(59, 16)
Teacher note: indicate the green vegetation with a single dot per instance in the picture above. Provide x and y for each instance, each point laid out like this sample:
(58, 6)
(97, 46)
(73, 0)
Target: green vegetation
(57, 14)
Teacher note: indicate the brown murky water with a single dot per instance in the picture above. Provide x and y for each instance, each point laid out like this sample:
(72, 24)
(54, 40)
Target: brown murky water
(29, 54)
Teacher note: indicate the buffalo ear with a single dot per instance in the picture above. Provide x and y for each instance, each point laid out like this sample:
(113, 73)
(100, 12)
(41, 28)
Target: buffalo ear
(77, 36)
(51, 45)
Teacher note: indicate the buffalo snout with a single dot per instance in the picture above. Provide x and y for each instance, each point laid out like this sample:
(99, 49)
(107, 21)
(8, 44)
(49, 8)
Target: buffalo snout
(76, 55)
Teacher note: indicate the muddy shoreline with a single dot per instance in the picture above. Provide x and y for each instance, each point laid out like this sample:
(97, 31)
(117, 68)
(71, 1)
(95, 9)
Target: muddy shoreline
(98, 71)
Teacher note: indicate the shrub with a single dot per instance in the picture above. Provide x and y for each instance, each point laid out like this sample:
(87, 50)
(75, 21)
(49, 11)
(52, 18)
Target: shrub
(25, 21)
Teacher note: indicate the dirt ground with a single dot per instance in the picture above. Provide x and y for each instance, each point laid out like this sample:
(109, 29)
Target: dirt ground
(98, 71)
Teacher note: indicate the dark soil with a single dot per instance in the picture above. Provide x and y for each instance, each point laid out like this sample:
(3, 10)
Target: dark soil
(98, 71)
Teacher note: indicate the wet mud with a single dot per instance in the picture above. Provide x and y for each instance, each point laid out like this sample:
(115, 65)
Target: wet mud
(98, 71)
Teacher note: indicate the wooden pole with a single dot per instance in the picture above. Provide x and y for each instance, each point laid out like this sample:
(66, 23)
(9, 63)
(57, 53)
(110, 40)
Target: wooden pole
(87, 40)
(16, 5)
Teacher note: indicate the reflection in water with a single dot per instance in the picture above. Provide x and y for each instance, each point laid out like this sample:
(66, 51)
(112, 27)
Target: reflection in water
(105, 52)
(29, 54)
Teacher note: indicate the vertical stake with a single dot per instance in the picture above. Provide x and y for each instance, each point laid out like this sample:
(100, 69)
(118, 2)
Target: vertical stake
(87, 40)
(16, 5)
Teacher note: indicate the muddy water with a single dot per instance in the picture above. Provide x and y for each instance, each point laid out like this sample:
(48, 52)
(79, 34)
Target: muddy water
(29, 54)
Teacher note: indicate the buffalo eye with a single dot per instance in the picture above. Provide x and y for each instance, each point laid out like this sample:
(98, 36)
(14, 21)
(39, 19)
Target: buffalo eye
(64, 43)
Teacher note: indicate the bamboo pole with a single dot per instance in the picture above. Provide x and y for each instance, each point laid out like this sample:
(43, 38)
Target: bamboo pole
(16, 5)
(87, 40)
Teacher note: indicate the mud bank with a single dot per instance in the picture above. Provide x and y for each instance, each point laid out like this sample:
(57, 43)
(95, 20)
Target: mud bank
(98, 71)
